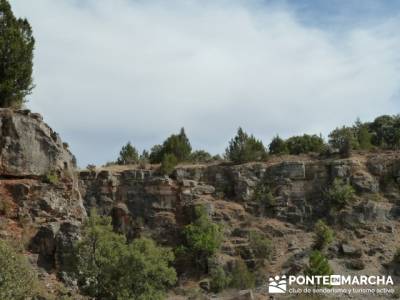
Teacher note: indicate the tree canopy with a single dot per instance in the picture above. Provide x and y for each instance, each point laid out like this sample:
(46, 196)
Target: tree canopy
(16, 58)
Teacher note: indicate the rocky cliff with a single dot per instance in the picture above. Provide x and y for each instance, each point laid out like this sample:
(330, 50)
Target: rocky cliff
(140, 202)
(43, 200)
(40, 203)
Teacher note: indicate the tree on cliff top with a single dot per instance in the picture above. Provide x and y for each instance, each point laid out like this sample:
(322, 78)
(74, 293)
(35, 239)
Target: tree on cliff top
(16, 55)
(244, 148)
(128, 155)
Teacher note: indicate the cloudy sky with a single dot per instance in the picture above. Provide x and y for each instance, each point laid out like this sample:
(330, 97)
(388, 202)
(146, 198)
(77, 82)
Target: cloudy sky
(111, 71)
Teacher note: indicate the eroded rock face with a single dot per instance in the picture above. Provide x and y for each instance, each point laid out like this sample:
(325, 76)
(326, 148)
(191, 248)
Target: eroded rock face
(42, 211)
(29, 147)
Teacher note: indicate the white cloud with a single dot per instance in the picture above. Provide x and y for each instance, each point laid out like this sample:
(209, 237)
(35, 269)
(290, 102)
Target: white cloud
(112, 71)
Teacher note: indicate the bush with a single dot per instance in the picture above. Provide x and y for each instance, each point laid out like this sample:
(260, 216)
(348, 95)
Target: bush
(386, 131)
(202, 238)
(244, 148)
(261, 246)
(176, 144)
(318, 265)
(128, 155)
(305, 144)
(340, 193)
(323, 235)
(278, 146)
(344, 139)
(241, 277)
(219, 279)
(200, 156)
(16, 56)
(263, 195)
(17, 279)
(109, 268)
(51, 177)
(168, 164)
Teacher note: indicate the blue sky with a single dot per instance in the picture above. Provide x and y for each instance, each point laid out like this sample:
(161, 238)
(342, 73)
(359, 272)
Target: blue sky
(108, 72)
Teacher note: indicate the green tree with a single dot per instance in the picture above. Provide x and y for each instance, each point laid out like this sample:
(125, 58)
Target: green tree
(108, 268)
(176, 144)
(168, 164)
(16, 56)
(202, 238)
(278, 146)
(323, 235)
(17, 279)
(344, 139)
(219, 279)
(318, 265)
(386, 131)
(128, 155)
(244, 148)
(340, 193)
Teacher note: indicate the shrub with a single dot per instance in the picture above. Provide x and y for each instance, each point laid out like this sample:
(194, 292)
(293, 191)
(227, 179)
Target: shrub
(177, 145)
(318, 265)
(305, 144)
(244, 148)
(261, 246)
(168, 164)
(278, 146)
(109, 268)
(263, 195)
(386, 131)
(323, 235)
(128, 155)
(340, 193)
(51, 177)
(200, 156)
(16, 56)
(202, 238)
(344, 139)
(219, 279)
(17, 279)
(241, 277)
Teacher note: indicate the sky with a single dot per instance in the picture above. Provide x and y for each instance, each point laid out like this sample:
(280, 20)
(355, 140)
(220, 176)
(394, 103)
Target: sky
(108, 72)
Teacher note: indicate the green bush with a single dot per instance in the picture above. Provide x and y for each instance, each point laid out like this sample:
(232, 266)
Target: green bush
(177, 145)
(244, 148)
(17, 278)
(219, 279)
(16, 56)
(168, 164)
(128, 155)
(261, 246)
(323, 235)
(340, 194)
(278, 146)
(318, 265)
(263, 195)
(241, 277)
(344, 139)
(109, 268)
(305, 144)
(200, 156)
(386, 131)
(51, 177)
(202, 238)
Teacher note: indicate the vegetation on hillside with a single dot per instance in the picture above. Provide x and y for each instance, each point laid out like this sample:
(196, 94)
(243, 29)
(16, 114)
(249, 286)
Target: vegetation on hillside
(107, 267)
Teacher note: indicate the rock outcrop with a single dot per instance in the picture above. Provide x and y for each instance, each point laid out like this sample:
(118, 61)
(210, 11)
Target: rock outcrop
(41, 204)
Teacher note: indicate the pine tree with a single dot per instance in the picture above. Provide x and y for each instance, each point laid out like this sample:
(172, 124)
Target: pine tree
(128, 155)
(16, 56)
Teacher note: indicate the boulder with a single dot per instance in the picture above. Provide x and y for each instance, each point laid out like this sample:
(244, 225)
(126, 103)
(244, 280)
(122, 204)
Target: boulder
(30, 147)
